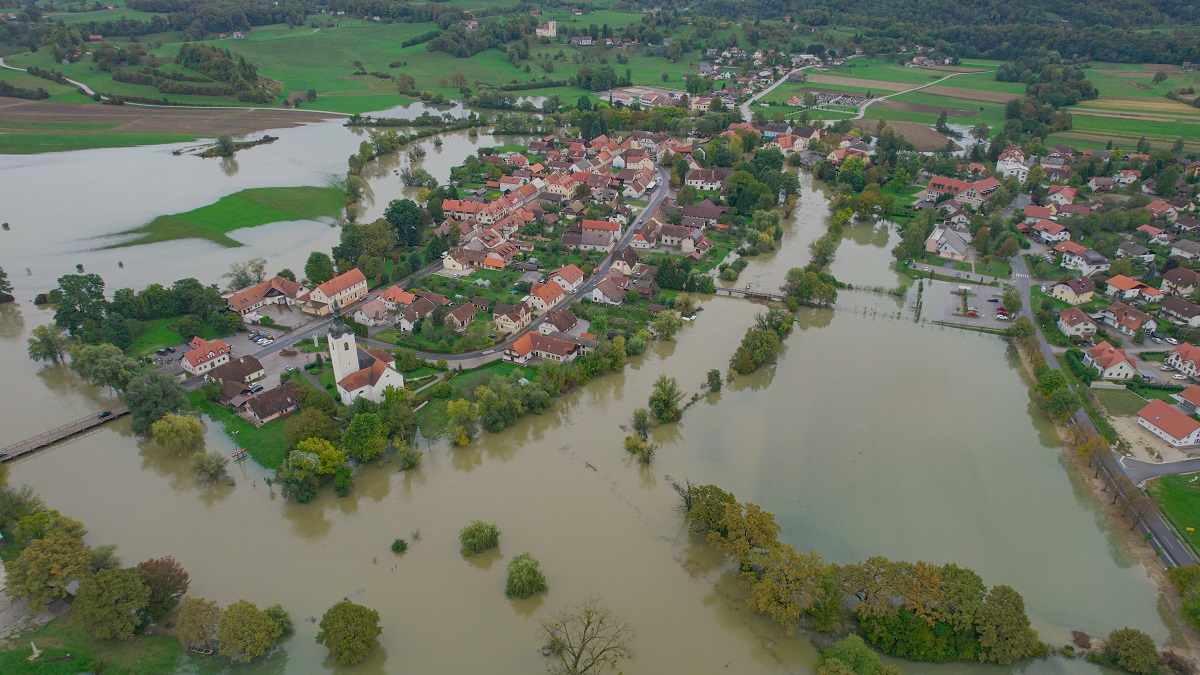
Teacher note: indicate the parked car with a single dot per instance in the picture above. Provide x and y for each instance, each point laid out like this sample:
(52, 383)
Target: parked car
(1172, 341)
(103, 414)
(1177, 376)
(993, 299)
(170, 350)
(1158, 340)
(1002, 317)
(972, 313)
(289, 369)
(256, 389)
(1166, 369)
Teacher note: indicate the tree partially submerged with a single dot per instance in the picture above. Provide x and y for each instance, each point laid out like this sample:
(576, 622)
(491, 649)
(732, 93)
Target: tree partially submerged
(350, 631)
(586, 638)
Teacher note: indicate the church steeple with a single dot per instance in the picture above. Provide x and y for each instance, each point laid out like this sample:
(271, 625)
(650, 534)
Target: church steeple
(343, 352)
(338, 328)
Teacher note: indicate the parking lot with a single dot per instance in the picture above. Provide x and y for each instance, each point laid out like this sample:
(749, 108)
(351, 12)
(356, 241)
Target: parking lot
(943, 301)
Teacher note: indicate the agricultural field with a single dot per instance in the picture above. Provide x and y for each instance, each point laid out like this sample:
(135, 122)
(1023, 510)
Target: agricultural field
(248, 208)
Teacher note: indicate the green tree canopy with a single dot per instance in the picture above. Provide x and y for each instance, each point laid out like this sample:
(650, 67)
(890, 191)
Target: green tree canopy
(150, 396)
(524, 577)
(47, 567)
(350, 631)
(245, 632)
(109, 603)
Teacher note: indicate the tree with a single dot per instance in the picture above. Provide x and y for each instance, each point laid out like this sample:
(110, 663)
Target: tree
(298, 476)
(1004, 633)
(524, 577)
(328, 456)
(664, 400)
(48, 343)
(82, 306)
(109, 602)
(366, 437)
(1132, 650)
(167, 581)
(666, 323)
(105, 558)
(210, 467)
(641, 420)
(281, 618)
(758, 347)
(405, 217)
(1011, 297)
(478, 536)
(464, 418)
(784, 583)
(874, 583)
(713, 381)
(6, 286)
(150, 396)
(745, 528)
(319, 267)
(350, 631)
(707, 510)
(245, 632)
(196, 625)
(586, 638)
(47, 567)
(243, 274)
(1160, 77)
(182, 433)
(1008, 248)
(1021, 328)
(854, 653)
(980, 132)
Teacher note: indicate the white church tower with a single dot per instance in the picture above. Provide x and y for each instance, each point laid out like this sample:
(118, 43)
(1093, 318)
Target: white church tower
(343, 351)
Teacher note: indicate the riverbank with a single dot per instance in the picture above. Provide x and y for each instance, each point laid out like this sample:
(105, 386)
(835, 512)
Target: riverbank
(1132, 543)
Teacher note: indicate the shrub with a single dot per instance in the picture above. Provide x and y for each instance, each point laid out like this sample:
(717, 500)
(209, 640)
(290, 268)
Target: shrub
(524, 577)
(342, 480)
(399, 546)
(441, 390)
(478, 537)
(1132, 650)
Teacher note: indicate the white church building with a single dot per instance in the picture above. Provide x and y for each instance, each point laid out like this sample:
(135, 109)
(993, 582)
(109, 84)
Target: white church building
(357, 371)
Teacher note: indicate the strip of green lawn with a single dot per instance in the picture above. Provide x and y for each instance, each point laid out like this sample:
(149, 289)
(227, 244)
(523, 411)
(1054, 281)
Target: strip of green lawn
(1179, 498)
(248, 208)
(31, 144)
(266, 444)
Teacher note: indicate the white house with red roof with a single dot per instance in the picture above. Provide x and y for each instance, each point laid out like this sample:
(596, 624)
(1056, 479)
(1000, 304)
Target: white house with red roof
(569, 277)
(1073, 322)
(543, 296)
(1186, 359)
(1189, 399)
(1160, 209)
(1123, 287)
(275, 291)
(1127, 319)
(1050, 232)
(341, 290)
(1155, 235)
(359, 372)
(1174, 427)
(1112, 363)
(1062, 194)
(397, 298)
(205, 355)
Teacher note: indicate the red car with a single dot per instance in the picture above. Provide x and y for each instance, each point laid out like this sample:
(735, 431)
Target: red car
(972, 314)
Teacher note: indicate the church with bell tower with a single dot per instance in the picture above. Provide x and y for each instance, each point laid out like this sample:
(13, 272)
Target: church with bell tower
(358, 371)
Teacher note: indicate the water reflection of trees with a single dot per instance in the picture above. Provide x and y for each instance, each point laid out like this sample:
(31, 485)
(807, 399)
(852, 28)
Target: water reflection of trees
(308, 520)
(229, 166)
(12, 324)
(178, 472)
(485, 560)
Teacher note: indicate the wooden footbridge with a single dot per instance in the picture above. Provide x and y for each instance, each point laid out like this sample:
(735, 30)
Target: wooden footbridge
(61, 433)
(750, 293)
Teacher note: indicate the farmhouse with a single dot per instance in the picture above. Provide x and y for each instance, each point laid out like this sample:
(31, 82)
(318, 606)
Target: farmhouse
(275, 291)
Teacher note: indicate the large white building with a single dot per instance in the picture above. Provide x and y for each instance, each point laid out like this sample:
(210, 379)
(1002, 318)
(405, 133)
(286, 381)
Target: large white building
(357, 371)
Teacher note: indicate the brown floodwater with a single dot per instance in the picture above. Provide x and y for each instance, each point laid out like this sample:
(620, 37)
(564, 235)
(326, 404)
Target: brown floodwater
(872, 435)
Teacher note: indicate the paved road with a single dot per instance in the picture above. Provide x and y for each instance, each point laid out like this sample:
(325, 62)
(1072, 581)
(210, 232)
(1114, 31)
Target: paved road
(1173, 553)
(1139, 471)
(862, 109)
(87, 90)
(496, 352)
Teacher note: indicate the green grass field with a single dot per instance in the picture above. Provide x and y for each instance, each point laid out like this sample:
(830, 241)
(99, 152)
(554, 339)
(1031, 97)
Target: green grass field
(72, 18)
(248, 208)
(29, 144)
(878, 69)
(1179, 498)
(1119, 401)
(265, 445)
(68, 649)
(432, 418)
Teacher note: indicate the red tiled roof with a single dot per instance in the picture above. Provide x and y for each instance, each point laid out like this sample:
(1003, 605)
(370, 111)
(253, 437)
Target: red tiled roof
(342, 282)
(201, 349)
(1172, 422)
(569, 273)
(253, 295)
(605, 225)
(398, 296)
(1191, 395)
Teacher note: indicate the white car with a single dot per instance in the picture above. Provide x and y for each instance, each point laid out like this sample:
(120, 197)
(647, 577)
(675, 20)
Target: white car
(1166, 369)
(1177, 376)
(1172, 341)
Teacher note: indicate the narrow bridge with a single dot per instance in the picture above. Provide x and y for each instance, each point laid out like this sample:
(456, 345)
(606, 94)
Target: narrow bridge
(750, 293)
(61, 433)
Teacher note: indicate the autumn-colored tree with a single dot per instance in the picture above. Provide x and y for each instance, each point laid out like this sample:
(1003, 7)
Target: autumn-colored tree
(245, 631)
(464, 420)
(874, 582)
(964, 595)
(109, 603)
(747, 527)
(707, 510)
(167, 580)
(197, 622)
(784, 583)
(328, 456)
(47, 567)
(181, 433)
(350, 631)
(924, 590)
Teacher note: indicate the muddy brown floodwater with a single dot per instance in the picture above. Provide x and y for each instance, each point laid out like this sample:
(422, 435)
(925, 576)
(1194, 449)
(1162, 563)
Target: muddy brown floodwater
(872, 435)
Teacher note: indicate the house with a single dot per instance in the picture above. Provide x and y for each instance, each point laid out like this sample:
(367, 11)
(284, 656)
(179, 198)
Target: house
(707, 179)
(562, 321)
(1123, 287)
(1186, 359)
(1174, 427)
(1074, 323)
(1177, 307)
(1012, 162)
(437, 299)
(569, 277)
(1034, 213)
(340, 291)
(275, 291)
(544, 296)
(273, 404)
(397, 298)
(971, 194)
(1189, 399)
(1100, 184)
(1180, 281)
(205, 355)
(1155, 235)
(1135, 252)
(1074, 291)
(512, 318)
(705, 211)
(359, 372)
(1187, 224)
(1086, 261)
(1050, 232)
(535, 345)
(1062, 195)
(461, 316)
(608, 292)
(371, 313)
(243, 370)
(1127, 177)
(1160, 209)
(1127, 319)
(1112, 363)
(419, 309)
(949, 241)
(1186, 249)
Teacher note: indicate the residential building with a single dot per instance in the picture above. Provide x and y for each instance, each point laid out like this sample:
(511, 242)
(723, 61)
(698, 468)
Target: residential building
(372, 313)
(461, 317)
(273, 404)
(608, 292)
(569, 277)
(1012, 163)
(205, 355)
(1127, 320)
(1154, 234)
(535, 345)
(707, 179)
(419, 309)
(1050, 232)
(1110, 362)
(339, 291)
(1189, 399)
(397, 298)
(543, 296)
(1074, 323)
(274, 291)
(1174, 427)
(562, 321)
(970, 194)
(1087, 261)
(246, 369)
(1074, 291)
(1186, 359)
(359, 372)
(1062, 195)
(1160, 209)
(1121, 286)
(1180, 281)
(512, 318)
(1177, 307)
(1186, 249)
(949, 241)
(1135, 252)
(625, 260)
